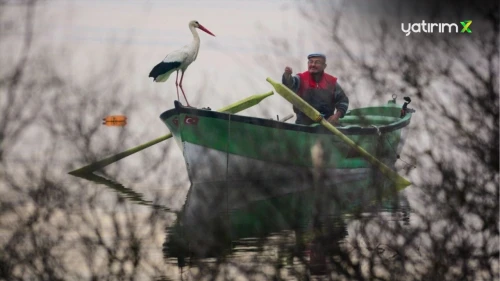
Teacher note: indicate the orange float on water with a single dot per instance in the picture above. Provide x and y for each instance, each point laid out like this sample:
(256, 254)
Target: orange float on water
(115, 118)
(118, 124)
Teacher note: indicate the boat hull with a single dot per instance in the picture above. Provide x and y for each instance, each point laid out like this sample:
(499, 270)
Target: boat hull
(226, 147)
(210, 165)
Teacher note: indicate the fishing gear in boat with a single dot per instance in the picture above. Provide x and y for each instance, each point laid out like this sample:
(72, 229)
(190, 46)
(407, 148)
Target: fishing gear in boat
(286, 118)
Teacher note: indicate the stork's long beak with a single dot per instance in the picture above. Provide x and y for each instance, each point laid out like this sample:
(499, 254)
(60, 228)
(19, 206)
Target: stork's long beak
(204, 29)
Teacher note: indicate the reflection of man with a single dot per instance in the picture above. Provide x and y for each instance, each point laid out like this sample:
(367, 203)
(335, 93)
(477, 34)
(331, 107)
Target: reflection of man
(319, 89)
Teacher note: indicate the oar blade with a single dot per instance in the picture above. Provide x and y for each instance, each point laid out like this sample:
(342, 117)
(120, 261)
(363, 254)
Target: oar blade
(114, 158)
(245, 103)
(395, 177)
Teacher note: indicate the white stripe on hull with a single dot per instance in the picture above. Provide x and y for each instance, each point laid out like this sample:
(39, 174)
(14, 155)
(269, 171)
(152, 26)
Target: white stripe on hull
(210, 165)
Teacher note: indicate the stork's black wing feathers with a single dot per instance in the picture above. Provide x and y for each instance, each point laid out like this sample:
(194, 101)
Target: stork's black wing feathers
(162, 68)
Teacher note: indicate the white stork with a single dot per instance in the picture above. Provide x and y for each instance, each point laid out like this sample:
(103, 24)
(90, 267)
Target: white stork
(179, 59)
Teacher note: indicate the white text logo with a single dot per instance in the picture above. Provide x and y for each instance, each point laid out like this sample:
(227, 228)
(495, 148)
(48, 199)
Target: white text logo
(435, 27)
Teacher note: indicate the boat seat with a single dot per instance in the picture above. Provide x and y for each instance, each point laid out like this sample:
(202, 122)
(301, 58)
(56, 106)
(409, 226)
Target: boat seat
(367, 120)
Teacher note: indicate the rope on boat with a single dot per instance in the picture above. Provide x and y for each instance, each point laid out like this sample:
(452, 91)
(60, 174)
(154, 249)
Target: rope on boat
(397, 155)
(378, 130)
(227, 145)
(227, 174)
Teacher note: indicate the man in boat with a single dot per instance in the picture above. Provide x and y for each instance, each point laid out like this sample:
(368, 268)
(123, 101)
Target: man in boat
(319, 89)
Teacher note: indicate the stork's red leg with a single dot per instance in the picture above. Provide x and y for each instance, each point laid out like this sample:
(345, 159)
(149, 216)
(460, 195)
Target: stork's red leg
(180, 85)
(176, 84)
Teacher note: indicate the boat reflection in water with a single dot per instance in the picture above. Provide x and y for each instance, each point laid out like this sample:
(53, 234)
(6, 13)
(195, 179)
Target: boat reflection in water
(304, 225)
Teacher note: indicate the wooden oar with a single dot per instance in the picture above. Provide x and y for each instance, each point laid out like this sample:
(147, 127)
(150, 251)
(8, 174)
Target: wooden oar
(312, 113)
(233, 108)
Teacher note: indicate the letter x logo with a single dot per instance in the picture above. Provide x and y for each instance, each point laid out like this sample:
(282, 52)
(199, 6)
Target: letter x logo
(466, 25)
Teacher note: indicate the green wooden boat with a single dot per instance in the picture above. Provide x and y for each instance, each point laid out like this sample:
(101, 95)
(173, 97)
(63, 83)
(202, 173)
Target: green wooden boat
(225, 147)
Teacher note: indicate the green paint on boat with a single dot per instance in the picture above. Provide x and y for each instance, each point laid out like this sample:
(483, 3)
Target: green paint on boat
(377, 129)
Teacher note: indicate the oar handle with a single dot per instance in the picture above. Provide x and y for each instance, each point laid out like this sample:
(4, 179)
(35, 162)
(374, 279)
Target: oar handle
(297, 101)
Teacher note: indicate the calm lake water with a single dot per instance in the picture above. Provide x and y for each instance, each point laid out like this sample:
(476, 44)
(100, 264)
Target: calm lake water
(293, 227)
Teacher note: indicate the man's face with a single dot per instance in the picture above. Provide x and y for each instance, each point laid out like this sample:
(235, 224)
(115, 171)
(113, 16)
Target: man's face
(316, 65)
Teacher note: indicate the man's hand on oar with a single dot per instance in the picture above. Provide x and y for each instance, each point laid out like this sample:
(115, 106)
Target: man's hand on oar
(233, 108)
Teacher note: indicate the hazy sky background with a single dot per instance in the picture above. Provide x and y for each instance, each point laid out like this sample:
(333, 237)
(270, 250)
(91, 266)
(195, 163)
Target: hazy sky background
(144, 32)
(81, 36)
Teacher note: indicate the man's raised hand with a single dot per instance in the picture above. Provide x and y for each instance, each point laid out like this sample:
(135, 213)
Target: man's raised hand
(288, 73)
